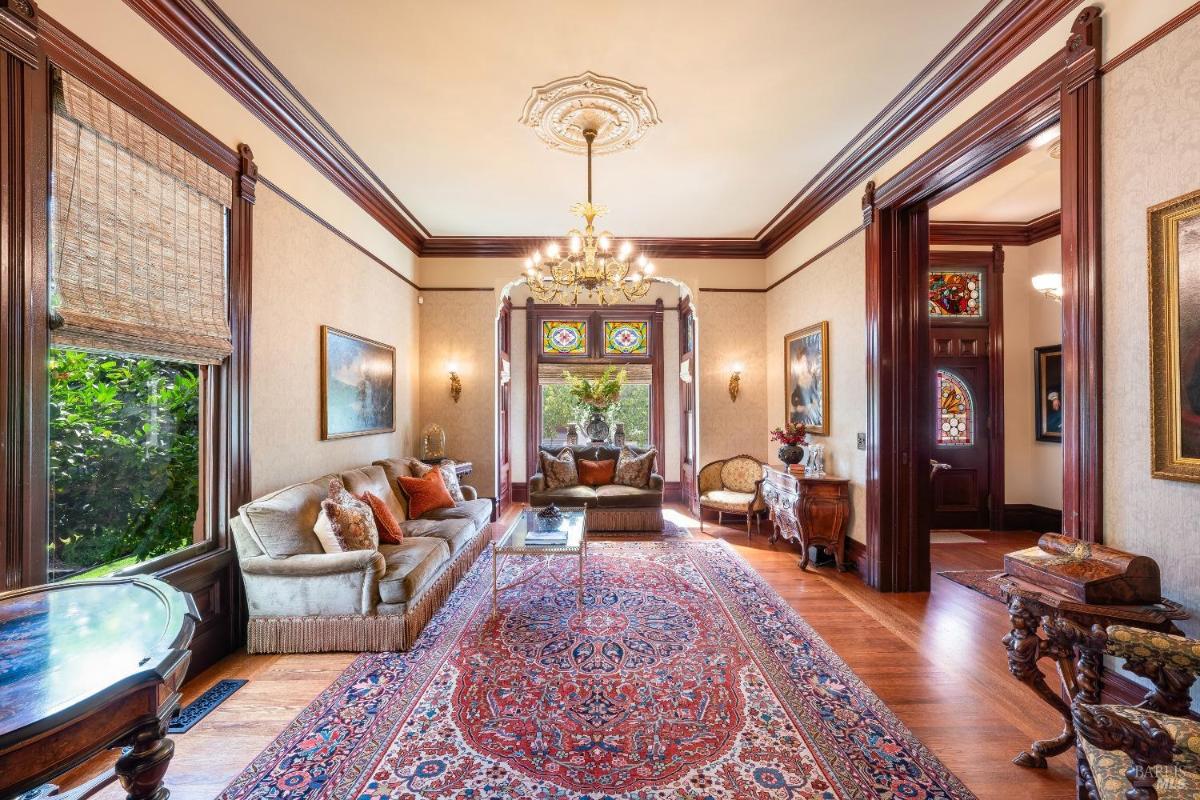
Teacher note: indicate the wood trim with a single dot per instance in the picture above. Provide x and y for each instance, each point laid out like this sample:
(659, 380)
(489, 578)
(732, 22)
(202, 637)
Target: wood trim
(1031, 517)
(672, 492)
(1017, 234)
(997, 43)
(1151, 38)
(814, 259)
(198, 37)
(456, 289)
(897, 259)
(655, 247)
(532, 396)
(996, 405)
(856, 554)
(658, 393)
(520, 492)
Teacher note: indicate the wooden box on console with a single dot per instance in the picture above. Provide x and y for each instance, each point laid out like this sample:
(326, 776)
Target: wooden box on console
(1087, 573)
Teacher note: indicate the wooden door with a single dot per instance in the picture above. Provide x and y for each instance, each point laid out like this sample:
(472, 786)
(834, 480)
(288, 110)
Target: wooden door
(503, 407)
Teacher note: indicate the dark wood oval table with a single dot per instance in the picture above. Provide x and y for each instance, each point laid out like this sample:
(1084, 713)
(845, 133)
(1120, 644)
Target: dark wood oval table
(89, 666)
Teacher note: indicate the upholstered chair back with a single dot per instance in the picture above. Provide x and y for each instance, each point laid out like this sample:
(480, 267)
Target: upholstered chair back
(592, 452)
(741, 474)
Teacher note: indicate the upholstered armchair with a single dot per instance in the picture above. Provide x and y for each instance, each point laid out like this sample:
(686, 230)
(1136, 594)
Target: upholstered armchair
(1151, 750)
(733, 486)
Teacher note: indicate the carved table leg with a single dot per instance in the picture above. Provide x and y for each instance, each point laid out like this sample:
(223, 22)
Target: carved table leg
(1025, 648)
(142, 767)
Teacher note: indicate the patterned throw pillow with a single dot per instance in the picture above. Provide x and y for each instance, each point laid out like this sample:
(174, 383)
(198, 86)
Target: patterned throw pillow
(386, 523)
(450, 477)
(345, 522)
(559, 470)
(633, 469)
(426, 494)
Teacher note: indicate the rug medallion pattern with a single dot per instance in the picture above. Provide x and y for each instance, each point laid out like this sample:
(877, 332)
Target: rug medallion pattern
(686, 677)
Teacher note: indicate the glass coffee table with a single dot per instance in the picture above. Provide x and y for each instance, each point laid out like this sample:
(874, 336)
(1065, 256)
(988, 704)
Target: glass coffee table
(522, 539)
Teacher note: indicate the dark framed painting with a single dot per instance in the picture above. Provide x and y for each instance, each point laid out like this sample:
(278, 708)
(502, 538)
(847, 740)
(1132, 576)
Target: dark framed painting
(358, 385)
(1174, 241)
(806, 377)
(1048, 393)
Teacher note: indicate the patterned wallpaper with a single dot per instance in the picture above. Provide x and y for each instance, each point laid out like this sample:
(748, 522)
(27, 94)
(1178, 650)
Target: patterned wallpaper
(1151, 153)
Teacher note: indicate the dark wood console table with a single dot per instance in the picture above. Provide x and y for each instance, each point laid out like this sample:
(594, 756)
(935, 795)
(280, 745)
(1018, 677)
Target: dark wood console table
(89, 666)
(808, 510)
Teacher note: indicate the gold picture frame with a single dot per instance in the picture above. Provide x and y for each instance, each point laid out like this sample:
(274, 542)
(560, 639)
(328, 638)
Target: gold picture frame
(358, 385)
(1173, 232)
(806, 394)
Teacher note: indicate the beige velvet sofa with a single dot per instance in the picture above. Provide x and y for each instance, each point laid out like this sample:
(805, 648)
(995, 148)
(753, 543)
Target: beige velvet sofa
(302, 599)
(611, 507)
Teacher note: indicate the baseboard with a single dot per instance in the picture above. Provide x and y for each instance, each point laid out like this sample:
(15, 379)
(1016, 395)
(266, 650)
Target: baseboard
(1121, 690)
(520, 492)
(856, 554)
(1030, 517)
(673, 492)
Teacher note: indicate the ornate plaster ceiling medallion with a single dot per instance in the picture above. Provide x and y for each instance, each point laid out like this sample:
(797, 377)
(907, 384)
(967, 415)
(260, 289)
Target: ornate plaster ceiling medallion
(619, 112)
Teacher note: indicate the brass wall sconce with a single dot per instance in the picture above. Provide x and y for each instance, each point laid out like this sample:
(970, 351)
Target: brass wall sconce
(735, 382)
(455, 382)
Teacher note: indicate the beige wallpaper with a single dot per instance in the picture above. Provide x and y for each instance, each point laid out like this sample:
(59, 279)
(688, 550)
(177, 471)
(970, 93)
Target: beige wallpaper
(306, 277)
(1151, 153)
(460, 328)
(729, 330)
(1032, 469)
(832, 289)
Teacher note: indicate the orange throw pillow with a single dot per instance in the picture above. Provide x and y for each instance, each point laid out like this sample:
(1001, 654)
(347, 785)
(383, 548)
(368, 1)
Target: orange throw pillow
(597, 473)
(389, 528)
(426, 493)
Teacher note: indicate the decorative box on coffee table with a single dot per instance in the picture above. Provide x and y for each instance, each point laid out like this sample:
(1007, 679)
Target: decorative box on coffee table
(809, 510)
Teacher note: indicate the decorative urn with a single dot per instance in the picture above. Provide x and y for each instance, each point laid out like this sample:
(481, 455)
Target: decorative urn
(791, 454)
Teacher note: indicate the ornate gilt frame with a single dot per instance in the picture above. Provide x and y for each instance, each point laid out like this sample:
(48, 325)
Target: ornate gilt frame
(823, 328)
(1163, 220)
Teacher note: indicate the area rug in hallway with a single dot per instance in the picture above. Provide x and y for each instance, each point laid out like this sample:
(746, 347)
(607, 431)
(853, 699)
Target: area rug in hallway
(687, 677)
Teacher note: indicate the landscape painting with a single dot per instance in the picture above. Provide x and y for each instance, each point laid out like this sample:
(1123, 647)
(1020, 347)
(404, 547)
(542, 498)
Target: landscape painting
(806, 373)
(358, 379)
(1175, 337)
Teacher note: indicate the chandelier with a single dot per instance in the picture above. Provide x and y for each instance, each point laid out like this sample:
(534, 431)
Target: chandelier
(593, 264)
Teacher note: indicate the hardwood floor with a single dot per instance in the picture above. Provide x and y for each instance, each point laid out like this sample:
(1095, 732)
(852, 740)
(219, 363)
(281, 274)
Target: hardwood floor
(935, 659)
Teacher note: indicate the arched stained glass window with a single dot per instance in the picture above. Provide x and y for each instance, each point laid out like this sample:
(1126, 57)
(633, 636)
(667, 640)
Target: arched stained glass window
(956, 410)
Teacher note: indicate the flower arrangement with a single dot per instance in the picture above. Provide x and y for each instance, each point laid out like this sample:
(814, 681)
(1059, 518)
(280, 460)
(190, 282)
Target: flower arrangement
(600, 393)
(791, 434)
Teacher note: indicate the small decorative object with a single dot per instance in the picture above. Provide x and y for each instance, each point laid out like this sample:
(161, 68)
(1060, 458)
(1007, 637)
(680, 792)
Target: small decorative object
(455, 381)
(433, 443)
(685, 370)
(806, 369)
(505, 372)
(598, 395)
(551, 511)
(793, 437)
(1050, 284)
(619, 434)
(1175, 338)
(357, 385)
(1048, 393)
(735, 382)
(549, 518)
(572, 434)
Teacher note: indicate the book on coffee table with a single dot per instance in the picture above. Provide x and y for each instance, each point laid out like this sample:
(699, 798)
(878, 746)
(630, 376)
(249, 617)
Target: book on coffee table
(546, 538)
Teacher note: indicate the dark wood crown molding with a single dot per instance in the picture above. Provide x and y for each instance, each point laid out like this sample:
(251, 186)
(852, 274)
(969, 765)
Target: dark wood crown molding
(18, 30)
(655, 247)
(1016, 234)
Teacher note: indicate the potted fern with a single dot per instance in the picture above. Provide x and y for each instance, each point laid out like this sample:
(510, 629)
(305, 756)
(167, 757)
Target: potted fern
(598, 396)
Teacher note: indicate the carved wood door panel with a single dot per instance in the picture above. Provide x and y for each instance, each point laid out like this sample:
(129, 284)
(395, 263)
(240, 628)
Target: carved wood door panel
(961, 471)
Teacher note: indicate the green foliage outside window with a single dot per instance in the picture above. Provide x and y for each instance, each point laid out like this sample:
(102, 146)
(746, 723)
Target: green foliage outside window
(124, 460)
(560, 408)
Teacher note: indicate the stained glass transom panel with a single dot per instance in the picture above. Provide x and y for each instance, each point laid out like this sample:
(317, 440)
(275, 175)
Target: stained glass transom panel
(626, 338)
(956, 410)
(564, 337)
(956, 294)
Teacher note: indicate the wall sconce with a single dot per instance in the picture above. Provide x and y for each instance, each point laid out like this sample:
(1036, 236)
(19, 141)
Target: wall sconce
(735, 382)
(1049, 284)
(455, 382)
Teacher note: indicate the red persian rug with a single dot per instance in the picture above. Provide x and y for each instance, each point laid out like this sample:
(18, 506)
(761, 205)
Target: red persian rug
(686, 677)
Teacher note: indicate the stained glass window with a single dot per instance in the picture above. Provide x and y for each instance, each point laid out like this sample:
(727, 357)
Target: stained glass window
(564, 337)
(622, 338)
(956, 294)
(956, 410)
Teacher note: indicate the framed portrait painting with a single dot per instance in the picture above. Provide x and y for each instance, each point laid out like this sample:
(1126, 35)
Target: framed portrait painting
(358, 381)
(1048, 393)
(1174, 243)
(806, 377)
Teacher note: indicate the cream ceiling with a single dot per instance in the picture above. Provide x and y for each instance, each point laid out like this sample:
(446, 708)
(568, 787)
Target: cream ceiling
(755, 98)
(1019, 192)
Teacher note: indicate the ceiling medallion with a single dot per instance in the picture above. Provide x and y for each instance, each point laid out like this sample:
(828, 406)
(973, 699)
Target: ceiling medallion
(618, 112)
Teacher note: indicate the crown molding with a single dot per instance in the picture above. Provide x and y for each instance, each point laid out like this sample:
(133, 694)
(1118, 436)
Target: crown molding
(655, 247)
(1017, 234)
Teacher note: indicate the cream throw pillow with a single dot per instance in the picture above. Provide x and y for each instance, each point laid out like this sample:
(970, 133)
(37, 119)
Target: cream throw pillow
(559, 471)
(633, 469)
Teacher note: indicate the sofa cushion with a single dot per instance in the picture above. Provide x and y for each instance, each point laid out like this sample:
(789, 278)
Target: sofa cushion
(426, 494)
(596, 473)
(634, 469)
(386, 523)
(410, 565)
(345, 522)
(614, 496)
(281, 523)
(725, 500)
(559, 469)
(396, 468)
(454, 532)
(450, 476)
(564, 496)
(374, 479)
(479, 512)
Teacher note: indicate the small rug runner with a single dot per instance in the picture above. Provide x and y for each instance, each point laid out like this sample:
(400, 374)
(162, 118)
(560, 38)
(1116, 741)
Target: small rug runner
(686, 677)
(978, 580)
(953, 537)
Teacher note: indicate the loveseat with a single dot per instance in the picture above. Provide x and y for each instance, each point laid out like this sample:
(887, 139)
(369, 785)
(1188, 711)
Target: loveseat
(611, 507)
(302, 599)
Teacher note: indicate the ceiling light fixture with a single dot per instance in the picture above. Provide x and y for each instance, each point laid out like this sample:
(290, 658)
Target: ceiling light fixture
(589, 266)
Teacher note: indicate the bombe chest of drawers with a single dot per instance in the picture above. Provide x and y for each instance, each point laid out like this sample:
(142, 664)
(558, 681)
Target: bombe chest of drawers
(811, 511)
